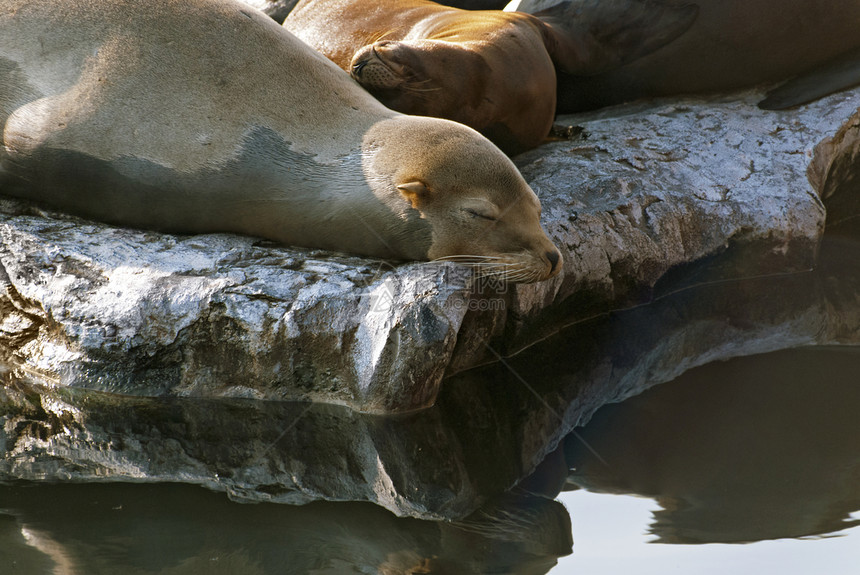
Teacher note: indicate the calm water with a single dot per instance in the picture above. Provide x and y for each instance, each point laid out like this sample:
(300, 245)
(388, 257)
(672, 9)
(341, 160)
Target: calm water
(750, 465)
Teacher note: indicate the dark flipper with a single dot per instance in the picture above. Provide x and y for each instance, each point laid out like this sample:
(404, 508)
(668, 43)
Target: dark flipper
(838, 74)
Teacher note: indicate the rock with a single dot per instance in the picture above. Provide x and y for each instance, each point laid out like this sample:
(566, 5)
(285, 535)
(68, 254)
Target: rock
(220, 316)
(276, 9)
(217, 335)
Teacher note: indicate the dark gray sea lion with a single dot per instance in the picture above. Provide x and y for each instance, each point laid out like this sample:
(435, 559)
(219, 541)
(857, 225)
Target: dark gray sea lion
(733, 44)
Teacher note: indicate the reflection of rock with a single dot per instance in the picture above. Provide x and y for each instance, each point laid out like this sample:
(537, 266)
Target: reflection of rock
(196, 532)
(427, 465)
(646, 191)
(756, 448)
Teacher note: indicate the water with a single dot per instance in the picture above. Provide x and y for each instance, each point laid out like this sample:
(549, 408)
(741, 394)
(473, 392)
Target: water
(748, 466)
(611, 539)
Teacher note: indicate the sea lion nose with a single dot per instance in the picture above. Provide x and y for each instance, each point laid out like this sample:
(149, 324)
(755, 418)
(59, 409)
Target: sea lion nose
(553, 258)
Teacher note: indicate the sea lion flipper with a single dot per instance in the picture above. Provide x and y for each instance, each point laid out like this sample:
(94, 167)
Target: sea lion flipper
(838, 74)
(586, 37)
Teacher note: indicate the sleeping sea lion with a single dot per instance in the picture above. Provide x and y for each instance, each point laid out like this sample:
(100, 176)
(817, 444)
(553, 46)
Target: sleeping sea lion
(494, 71)
(206, 116)
(733, 44)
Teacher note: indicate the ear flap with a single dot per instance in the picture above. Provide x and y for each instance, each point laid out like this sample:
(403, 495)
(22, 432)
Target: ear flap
(415, 192)
(585, 37)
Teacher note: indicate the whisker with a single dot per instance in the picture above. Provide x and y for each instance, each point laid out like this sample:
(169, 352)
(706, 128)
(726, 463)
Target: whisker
(496, 268)
(410, 88)
(473, 258)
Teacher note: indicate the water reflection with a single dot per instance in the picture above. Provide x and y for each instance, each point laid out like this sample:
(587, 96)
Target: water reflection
(757, 448)
(171, 529)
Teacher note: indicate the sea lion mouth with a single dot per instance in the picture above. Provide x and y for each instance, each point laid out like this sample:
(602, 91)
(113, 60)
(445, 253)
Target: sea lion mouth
(373, 69)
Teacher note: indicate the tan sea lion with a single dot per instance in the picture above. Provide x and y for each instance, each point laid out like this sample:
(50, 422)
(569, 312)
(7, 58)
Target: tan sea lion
(206, 116)
(733, 44)
(494, 71)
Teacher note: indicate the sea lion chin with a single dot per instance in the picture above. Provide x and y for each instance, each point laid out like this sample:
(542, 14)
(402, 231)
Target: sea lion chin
(204, 116)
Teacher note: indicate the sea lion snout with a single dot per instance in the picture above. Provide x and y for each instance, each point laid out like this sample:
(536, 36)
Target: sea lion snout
(382, 65)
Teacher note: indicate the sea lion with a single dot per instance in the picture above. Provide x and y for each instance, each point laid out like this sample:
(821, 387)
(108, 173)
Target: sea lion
(733, 44)
(494, 71)
(206, 116)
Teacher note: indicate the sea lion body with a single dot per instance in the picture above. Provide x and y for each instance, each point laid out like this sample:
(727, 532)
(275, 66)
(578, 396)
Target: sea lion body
(206, 116)
(733, 44)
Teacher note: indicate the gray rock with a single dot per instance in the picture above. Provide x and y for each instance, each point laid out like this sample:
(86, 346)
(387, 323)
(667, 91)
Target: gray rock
(640, 193)
(648, 189)
(220, 316)
(276, 9)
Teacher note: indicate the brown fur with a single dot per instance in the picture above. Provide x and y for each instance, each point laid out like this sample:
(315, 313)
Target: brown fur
(487, 69)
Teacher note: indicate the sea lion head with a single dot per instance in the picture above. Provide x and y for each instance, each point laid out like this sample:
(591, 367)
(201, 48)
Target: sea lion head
(479, 208)
(505, 89)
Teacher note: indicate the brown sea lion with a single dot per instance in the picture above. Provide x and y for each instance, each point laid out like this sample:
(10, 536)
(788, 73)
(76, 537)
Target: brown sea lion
(206, 116)
(491, 70)
(733, 44)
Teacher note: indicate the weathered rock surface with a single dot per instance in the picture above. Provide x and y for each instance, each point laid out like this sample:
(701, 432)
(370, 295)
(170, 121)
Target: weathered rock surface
(208, 330)
(276, 9)
(219, 316)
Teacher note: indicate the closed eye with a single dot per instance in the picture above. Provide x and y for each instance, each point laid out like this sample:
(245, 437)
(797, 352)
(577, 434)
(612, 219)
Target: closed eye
(477, 214)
